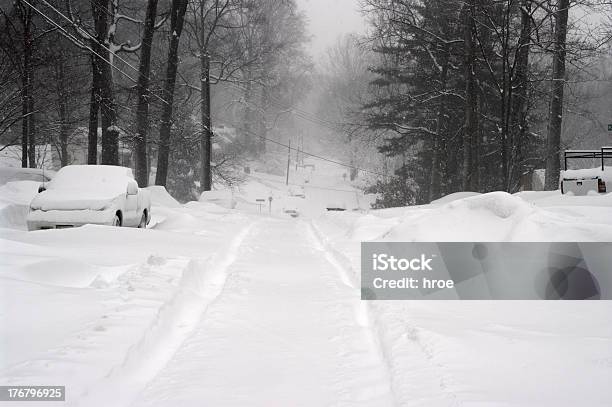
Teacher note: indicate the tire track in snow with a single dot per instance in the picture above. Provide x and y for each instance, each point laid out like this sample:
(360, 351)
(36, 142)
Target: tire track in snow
(392, 339)
(200, 285)
(362, 314)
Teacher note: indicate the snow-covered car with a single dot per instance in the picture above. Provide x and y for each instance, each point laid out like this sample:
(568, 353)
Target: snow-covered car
(293, 212)
(95, 194)
(292, 206)
(297, 191)
(586, 180)
(335, 206)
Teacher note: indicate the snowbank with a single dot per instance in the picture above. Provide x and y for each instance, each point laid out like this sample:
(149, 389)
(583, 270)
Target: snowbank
(510, 353)
(13, 216)
(161, 197)
(496, 216)
(222, 198)
(453, 197)
(65, 272)
(15, 198)
(490, 217)
(18, 186)
(8, 174)
(18, 192)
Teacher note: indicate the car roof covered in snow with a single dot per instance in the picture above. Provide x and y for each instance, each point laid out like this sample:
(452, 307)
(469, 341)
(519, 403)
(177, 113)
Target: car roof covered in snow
(78, 176)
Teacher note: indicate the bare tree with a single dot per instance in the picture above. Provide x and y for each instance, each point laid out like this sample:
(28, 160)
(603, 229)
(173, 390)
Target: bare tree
(553, 165)
(104, 47)
(10, 95)
(177, 18)
(519, 103)
(471, 135)
(19, 29)
(207, 22)
(142, 106)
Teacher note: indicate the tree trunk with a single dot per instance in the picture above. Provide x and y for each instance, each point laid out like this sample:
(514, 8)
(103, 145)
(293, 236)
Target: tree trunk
(555, 119)
(62, 112)
(261, 146)
(102, 80)
(99, 9)
(64, 159)
(206, 132)
(94, 106)
(25, 118)
(110, 131)
(248, 114)
(31, 129)
(142, 108)
(471, 143)
(518, 118)
(178, 9)
(28, 152)
(438, 142)
(504, 97)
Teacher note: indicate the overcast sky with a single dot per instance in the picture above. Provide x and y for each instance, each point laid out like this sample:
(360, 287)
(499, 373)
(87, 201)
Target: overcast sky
(328, 19)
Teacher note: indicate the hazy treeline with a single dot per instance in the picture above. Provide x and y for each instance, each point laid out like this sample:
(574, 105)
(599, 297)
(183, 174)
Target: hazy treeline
(474, 95)
(148, 81)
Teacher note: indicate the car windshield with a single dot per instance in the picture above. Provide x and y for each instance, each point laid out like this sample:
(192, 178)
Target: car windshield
(90, 177)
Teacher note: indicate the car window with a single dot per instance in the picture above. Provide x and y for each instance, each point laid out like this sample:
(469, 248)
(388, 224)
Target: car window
(88, 177)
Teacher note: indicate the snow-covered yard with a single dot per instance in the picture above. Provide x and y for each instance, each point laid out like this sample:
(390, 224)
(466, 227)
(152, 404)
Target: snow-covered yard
(230, 307)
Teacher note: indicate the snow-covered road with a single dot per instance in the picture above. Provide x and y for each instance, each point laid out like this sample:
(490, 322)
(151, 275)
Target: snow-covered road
(283, 329)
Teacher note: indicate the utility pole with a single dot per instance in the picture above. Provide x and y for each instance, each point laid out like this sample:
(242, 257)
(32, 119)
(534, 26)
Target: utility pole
(288, 162)
(297, 155)
(206, 134)
(302, 150)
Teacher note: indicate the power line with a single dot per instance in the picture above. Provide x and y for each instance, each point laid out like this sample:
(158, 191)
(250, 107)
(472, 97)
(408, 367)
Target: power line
(302, 113)
(305, 186)
(315, 121)
(75, 41)
(296, 111)
(79, 44)
(80, 29)
(250, 133)
(315, 156)
(100, 44)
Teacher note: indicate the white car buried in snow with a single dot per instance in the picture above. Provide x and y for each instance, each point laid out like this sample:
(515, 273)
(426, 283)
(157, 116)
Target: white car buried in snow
(292, 206)
(97, 194)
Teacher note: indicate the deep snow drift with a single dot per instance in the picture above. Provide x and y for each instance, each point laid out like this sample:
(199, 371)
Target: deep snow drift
(510, 353)
(233, 307)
